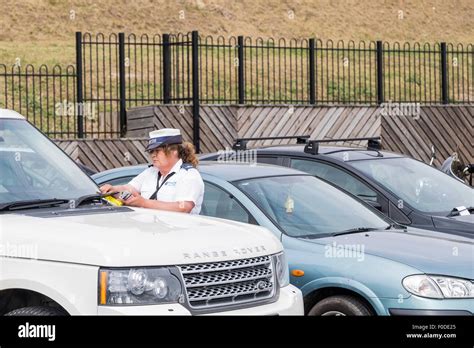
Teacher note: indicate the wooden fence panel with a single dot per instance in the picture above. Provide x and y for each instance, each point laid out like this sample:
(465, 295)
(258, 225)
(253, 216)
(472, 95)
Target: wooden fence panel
(448, 128)
(102, 154)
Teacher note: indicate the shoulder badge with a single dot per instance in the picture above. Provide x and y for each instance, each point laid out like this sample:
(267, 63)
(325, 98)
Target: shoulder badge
(187, 166)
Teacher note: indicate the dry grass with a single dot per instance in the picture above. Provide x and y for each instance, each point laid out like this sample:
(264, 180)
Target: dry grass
(42, 31)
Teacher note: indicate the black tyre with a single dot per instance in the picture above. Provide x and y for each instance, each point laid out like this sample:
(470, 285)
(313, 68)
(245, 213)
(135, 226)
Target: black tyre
(36, 311)
(341, 305)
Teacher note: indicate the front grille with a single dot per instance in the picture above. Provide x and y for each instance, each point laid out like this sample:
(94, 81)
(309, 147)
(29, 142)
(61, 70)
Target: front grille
(228, 283)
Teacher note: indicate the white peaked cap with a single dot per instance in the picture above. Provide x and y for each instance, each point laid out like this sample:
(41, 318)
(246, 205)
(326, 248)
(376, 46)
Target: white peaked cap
(165, 136)
(164, 132)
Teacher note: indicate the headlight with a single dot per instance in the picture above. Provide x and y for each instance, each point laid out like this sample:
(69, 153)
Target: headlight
(281, 269)
(138, 286)
(433, 286)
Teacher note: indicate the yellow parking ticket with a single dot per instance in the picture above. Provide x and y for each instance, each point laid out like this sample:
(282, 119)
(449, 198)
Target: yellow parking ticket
(114, 201)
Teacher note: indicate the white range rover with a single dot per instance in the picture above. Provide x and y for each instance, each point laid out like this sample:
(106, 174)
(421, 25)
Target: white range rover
(63, 250)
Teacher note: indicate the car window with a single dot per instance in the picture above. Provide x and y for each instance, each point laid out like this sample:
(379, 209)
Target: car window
(267, 160)
(337, 177)
(35, 170)
(304, 205)
(119, 181)
(418, 184)
(219, 203)
(32, 167)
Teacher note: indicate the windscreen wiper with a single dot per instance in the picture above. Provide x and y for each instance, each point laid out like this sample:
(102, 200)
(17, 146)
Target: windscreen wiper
(314, 235)
(456, 212)
(355, 230)
(30, 204)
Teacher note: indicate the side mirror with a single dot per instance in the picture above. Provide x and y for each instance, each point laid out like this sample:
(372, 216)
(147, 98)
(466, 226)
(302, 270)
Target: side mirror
(374, 204)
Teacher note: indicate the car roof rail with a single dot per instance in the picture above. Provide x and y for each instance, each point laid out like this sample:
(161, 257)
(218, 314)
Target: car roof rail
(241, 143)
(312, 147)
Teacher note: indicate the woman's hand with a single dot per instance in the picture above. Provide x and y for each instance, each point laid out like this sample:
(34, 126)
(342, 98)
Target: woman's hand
(106, 188)
(135, 200)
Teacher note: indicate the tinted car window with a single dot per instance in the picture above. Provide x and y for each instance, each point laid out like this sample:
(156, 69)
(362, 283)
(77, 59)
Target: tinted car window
(421, 186)
(335, 176)
(267, 160)
(219, 203)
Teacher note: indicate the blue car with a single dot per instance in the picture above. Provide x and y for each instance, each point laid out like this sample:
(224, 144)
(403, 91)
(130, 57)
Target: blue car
(406, 190)
(346, 256)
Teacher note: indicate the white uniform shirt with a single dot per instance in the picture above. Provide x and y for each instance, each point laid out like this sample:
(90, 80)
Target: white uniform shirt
(184, 185)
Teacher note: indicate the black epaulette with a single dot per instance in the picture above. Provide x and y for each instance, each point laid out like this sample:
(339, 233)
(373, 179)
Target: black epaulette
(150, 165)
(187, 166)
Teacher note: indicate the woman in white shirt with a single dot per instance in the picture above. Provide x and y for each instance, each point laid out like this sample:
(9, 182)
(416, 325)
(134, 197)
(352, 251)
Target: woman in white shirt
(172, 182)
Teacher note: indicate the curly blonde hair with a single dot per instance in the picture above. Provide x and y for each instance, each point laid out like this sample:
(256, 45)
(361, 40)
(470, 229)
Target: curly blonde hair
(186, 152)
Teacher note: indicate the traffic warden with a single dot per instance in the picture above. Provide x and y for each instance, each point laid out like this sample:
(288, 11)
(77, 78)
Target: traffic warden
(171, 182)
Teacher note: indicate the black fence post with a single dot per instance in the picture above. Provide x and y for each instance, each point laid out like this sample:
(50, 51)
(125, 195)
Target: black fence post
(195, 63)
(380, 96)
(79, 85)
(166, 69)
(240, 59)
(123, 104)
(312, 75)
(444, 74)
